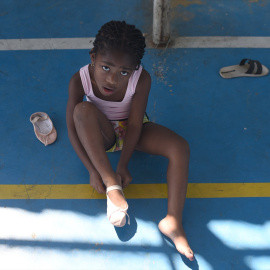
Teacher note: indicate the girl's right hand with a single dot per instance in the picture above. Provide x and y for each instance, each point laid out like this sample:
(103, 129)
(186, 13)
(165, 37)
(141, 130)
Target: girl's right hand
(125, 175)
(96, 182)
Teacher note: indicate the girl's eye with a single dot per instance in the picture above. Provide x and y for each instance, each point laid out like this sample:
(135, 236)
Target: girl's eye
(105, 68)
(124, 73)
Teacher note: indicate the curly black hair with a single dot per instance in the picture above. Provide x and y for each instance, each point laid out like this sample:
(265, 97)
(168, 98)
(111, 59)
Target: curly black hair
(121, 36)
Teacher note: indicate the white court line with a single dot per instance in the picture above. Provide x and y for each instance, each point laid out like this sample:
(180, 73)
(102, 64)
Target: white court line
(221, 42)
(180, 42)
(46, 44)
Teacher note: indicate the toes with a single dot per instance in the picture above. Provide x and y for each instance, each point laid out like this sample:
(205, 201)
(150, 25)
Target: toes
(186, 251)
(189, 255)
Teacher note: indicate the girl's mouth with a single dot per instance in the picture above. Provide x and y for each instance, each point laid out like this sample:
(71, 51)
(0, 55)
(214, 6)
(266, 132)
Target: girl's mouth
(108, 90)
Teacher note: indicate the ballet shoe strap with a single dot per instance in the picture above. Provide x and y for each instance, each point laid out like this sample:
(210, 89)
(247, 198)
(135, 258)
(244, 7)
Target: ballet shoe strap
(39, 117)
(113, 188)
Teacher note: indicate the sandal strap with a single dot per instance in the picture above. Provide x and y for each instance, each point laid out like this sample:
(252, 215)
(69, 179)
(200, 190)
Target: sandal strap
(259, 67)
(243, 61)
(252, 65)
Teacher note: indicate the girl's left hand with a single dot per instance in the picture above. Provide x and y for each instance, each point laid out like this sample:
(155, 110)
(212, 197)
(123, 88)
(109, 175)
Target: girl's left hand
(125, 176)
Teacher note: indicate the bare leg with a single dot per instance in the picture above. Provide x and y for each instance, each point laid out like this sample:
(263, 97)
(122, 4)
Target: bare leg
(96, 135)
(158, 140)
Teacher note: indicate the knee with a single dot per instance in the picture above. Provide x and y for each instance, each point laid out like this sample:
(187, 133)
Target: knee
(82, 110)
(179, 147)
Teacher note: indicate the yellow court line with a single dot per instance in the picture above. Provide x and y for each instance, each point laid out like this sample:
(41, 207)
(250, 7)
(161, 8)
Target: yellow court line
(135, 191)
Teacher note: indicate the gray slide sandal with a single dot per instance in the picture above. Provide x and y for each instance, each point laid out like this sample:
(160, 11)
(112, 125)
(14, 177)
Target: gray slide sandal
(252, 68)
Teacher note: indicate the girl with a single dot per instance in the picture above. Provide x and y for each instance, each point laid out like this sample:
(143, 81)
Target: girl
(113, 118)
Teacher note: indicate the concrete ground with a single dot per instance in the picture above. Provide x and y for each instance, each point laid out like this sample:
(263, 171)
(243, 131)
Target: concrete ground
(50, 218)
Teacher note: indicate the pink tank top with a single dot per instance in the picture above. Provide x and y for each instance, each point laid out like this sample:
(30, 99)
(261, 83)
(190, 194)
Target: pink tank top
(113, 110)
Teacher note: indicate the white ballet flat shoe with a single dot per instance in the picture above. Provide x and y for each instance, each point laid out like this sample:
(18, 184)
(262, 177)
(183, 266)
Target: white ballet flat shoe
(115, 214)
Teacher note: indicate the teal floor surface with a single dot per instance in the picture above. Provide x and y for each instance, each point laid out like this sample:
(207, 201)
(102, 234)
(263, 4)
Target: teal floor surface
(226, 122)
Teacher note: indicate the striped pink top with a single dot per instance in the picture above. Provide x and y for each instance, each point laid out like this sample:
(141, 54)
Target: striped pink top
(114, 110)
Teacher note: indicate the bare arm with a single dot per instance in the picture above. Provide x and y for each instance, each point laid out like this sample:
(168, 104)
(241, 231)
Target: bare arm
(75, 96)
(138, 107)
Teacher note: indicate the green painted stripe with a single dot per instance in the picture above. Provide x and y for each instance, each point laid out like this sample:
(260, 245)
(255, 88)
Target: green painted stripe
(134, 191)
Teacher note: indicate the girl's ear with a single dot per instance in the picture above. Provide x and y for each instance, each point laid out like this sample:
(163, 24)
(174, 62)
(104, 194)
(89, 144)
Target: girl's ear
(93, 56)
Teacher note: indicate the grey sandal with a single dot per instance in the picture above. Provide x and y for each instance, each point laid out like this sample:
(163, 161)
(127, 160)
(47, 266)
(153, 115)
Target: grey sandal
(252, 68)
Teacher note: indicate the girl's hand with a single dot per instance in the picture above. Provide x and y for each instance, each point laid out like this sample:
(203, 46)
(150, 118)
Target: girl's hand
(96, 182)
(125, 176)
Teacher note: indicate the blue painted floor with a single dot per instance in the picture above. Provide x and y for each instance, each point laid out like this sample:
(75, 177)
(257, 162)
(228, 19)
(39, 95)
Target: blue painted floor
(226, 122)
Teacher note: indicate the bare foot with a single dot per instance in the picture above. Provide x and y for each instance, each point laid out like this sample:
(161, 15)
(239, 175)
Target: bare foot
(170, 227)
